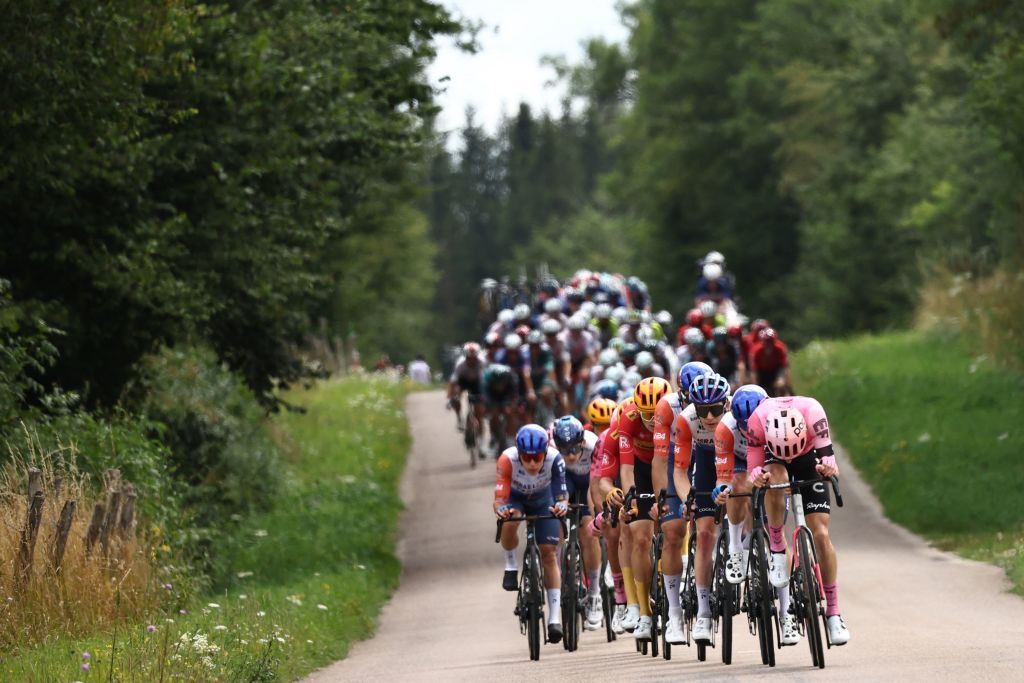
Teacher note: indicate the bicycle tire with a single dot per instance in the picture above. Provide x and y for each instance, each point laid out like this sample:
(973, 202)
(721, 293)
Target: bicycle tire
(763, 597)
(812, 598)
(535, 611)
(725, 596)
(607, 596)
(654, 602)
(570, 596)
(688, 598)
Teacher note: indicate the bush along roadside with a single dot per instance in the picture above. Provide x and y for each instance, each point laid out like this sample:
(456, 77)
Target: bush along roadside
(298, 583)
(936, 430)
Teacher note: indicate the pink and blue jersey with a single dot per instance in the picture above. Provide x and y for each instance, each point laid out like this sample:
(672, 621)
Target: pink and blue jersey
(814, 417)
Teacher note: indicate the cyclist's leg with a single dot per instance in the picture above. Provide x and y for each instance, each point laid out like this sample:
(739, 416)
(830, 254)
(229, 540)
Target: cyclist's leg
(704, 480)
(510, 542)
(817, 509)
(674, 529)
(548, 536)
(641, 529)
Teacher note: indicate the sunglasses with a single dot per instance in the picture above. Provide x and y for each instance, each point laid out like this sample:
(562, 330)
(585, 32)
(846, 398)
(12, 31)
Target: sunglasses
(715, 409)
(571, 450)
(646, 415)
(532, 457)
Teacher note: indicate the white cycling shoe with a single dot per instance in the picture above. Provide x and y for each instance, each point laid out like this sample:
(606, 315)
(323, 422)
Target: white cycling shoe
(674, 633)
(735, 567)
(620, 614)
(702, 628)
(777, 574)
(838, 634)
(632, 618)
(643, 629)
(595, 613)
(790, 634)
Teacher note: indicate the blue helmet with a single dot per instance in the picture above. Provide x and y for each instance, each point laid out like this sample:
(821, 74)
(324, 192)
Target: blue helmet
(607, 388)
(532, 438)
(690, 372)
(709, 388)
(568, 431)
(744, 401)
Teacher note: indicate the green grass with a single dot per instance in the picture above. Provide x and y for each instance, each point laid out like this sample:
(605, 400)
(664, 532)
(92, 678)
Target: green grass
(938, 433)
(308, 578)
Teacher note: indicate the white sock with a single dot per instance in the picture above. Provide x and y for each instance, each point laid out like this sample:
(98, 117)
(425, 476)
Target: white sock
(554, 605)
(746, 539)
(672, 591)
(783, 600)
(595, 582)
(735, 537)
(510, 560)
(703, 601)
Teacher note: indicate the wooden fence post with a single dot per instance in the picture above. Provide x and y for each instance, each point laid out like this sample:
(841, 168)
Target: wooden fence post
(27, 546)
(93, 534)
(60, 535)
(113, 508)
(127, 511)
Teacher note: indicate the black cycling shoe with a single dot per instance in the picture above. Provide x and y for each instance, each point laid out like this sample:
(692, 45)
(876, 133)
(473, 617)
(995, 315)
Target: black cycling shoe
(511, 580)
(554, 633)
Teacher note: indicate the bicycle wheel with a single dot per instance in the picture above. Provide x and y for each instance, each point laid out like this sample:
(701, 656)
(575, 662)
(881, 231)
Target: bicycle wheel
(535, 601)
(724, 596)
(607, 595)
(571, 603)
(811, 594)
(761, 596)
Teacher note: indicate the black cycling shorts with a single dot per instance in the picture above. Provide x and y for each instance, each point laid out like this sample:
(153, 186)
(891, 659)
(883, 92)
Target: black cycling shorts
(817, 497)
(644, 484)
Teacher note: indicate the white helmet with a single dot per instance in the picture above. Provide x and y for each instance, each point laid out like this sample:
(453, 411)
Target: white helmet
(645, 317)
(712, 271)
(522, 312)
(588, 308)
(615, 373)
(513, 341)
(785, 433)
(603, 311)
(708, 308)
(551, 326)
(619, 314)
(552, 306)
(506, 316)
(608, 357)
(715, 257)
(578, 322)
(693, 336)
(630, 380)
(535, 337)
(663, 318)
(644, 360)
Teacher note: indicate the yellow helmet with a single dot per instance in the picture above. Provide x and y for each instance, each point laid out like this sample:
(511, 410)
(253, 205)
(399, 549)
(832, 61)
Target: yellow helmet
(648, 392)
(600, 410)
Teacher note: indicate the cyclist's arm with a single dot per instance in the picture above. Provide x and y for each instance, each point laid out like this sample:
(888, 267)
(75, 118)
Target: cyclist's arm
(725, 456)
(684, 451)
(558, 488)
(662, 431)
(503, 482)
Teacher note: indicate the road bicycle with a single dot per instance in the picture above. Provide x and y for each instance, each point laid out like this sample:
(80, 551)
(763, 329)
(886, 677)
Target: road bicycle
(688, 594)
(530, 598)
(607, 588)
(629, 504)
(659, 597)
(472, 436)
(725, 601)
(574, 589)
(807, 595)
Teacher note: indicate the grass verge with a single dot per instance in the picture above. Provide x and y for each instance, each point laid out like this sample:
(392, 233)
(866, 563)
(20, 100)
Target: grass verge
(936, 431)
(306, 579)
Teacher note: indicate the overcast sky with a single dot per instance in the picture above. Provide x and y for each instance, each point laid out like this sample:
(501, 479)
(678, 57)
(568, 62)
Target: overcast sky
(507, 69)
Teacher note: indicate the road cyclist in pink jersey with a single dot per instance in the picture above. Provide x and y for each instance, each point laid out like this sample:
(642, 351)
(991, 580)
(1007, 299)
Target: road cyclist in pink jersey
(790, 437)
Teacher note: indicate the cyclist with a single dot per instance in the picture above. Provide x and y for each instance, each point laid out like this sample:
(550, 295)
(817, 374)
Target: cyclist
(636, 451)
(499, 387)
(576, 446)
(646, 366)
(713, 284)
(606, 326)
(694, 319)
(542, 371)
(662, 468)
(524, 316)
(581, 347)
(726, 358)
(552, 335)
(466, 377)
(695, 437)
(790, 437)
(505, 324)
(553, 311)
(769, 364)
(695, 348)
(531, 481)
(636, 295)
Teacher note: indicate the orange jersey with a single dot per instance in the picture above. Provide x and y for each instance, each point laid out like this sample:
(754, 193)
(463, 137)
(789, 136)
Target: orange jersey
(725, 449)
(636, 441)
(606, 457)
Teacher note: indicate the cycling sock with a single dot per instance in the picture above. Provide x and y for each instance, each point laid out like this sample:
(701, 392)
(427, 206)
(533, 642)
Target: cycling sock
(783, 600)
(510, 560)
(643, 595)
(832, 598)
(620, 588)
(554, 605)
(595, 582)
(630, 585)
(735, 537)
(672, 590)
(776, 541)
(703, 601)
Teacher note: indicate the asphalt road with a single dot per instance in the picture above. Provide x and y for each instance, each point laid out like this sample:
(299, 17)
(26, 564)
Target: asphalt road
(914, 613)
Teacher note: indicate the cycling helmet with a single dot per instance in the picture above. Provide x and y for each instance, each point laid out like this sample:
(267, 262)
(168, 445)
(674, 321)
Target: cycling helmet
(711, 271)
(522, 331)
(644, 335)
(549, 286)
(535, 337)
(646, 396)
(690, 372)
(693, 336)
(470, 349)
(608, 387)
(633, 316)
(488, 283)
(551, 326)
(768, 333)
(574, 295)
(708, 308)
(492, 338)
(615, 373)
(531, 439)
(708, 388)
(568, 432)
(587, 307)
(720, 333)
(785, 433)
(694, 317)
(644, 360)
(608, 357)
(522, 312)
(603, 311)
(506, 316)
(630, 380)
(552, 306)
(744, 401)
(735, 331)
(619, 314)
(578, 323)
(513, 341)
(617, 343)
(629, 352)
(758, 325)
(664, 318)
(646, 317)
(500, 371)
(600, 410)
(715, 257)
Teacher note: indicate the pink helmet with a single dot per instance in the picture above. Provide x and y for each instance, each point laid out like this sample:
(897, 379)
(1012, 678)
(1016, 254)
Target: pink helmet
(785, 433)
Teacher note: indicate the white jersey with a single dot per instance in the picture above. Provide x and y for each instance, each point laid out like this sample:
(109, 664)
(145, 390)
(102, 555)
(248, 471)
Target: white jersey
(700, 435)
(739, 442)
(527, 484)
(675, 402)
(582, 466)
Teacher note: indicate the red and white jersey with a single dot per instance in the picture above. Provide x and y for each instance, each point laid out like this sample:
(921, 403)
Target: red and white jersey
(690, 432)
(814, 417)
(669, 407)
(583, 464)
(730, 444)
(636, 441)
(606, 461)
(513, 477)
